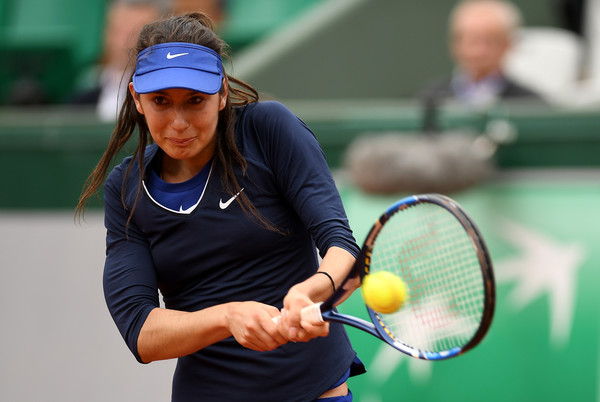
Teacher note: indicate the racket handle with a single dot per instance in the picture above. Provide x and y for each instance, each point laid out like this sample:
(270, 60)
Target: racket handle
(312, 314)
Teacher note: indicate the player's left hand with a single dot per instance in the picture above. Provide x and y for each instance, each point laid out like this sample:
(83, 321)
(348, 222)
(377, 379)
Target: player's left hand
(291, 324)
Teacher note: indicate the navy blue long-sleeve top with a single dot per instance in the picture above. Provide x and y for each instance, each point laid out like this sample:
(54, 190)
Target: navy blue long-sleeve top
(216, 255)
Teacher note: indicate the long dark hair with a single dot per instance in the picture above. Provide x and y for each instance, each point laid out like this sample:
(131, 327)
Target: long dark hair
(194, 28)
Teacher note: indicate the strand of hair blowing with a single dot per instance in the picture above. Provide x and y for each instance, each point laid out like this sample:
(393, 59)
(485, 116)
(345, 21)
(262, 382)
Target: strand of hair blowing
(191, 28)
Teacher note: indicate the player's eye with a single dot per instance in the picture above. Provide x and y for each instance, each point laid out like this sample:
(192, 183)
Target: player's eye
(159, 100)
(195, 100)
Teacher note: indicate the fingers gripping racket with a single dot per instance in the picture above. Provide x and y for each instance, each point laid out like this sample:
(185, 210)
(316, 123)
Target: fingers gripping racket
(436, 249)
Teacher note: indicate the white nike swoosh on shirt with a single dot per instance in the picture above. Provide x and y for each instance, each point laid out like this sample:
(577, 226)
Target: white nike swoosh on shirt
(172, 56)
(187, 210)
(224, 205)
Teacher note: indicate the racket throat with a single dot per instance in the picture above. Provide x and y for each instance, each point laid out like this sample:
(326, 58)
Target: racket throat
(355, 322)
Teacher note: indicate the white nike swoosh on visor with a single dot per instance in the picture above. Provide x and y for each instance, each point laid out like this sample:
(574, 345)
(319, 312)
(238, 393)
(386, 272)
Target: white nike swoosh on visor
(172, 56)
(224, 205)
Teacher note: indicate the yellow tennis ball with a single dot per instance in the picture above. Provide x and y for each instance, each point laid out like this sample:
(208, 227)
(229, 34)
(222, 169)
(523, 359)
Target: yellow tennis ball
(384, 292)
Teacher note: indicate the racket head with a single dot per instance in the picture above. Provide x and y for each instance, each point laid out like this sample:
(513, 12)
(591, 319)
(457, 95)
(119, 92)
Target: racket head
(432, 244)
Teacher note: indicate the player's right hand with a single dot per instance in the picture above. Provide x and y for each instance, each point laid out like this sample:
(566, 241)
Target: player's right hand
(252, 325)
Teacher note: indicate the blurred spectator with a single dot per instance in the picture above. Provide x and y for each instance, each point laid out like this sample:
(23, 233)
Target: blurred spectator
(481, 34)
(105, 84)
(214, 8)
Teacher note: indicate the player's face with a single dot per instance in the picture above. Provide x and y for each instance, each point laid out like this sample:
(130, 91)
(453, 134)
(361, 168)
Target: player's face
(183, 123)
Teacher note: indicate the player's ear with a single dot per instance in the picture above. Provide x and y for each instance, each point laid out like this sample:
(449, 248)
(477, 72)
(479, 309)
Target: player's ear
(136, 99)
(223, 93)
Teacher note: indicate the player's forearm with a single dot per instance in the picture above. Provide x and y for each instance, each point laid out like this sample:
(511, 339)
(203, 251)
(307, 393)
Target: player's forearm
(337, 262)
(170, 334)
(339, 265)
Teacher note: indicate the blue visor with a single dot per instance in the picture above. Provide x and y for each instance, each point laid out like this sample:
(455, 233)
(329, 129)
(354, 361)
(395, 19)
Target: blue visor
(178, 65)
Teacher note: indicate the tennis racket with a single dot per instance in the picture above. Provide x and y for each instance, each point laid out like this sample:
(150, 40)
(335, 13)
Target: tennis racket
(431, 243)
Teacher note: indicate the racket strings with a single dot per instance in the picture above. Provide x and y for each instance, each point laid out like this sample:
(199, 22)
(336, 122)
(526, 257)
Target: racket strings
(432, 252)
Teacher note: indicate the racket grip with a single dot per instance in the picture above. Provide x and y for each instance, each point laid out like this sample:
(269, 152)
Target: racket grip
(312, 314)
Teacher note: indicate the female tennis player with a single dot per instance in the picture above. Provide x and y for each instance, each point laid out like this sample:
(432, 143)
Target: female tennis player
(221, 207)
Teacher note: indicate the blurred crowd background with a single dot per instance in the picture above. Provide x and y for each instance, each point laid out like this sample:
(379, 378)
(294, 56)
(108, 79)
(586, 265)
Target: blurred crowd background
(350, 68)
(59, 51)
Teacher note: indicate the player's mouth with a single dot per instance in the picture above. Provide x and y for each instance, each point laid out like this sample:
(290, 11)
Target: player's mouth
(181, 141)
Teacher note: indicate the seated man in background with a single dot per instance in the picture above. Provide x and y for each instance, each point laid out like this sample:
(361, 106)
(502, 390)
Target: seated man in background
(481, 34)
